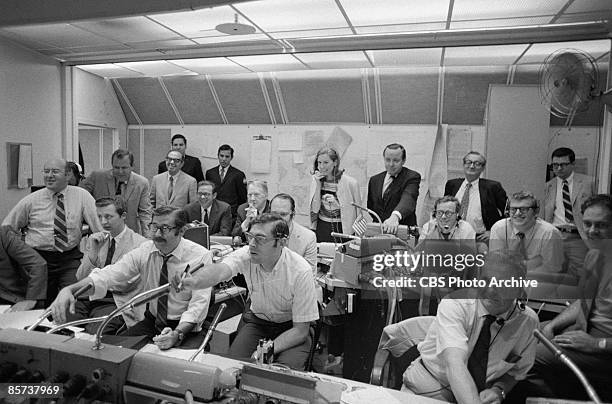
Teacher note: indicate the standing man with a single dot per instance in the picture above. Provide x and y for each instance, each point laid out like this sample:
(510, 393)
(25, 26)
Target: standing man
(216, 214)
(283, 301)
(105, 248)
(174, 188)
(301, 240)
(52, 219)
(257, 204)
(539, 242)
(231, 182)
(482, 201)
(169, 318)
(564, 195)
(192, 165)
(121, 181)
(393, 193)
(23, 273)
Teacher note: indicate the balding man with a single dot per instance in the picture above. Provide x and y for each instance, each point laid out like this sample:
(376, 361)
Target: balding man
(52, 219)
(257, 203)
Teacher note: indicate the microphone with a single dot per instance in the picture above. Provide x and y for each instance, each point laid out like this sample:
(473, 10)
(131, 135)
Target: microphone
(209, 334)
(48, 311)
(569, 363)
(371, 212)
(75, 323)
(500, 321)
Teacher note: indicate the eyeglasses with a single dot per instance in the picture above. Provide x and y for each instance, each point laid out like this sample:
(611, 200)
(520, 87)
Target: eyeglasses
(445, 213)
(54, 171)
(560, 165)
(175, 161)
(522, 211)
(204, 194)
(477, 164)
(164, 228)
(282, 214)
(259, 239)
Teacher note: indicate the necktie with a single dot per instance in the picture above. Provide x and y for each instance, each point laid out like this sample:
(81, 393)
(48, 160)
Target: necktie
(170, 188)
(206, 216)
(465, 201)
(222, 173)
(479, 358)
(386, 185)
(110, 253)
(522, 247)
(162, 302)
(60, 232)
(567, 203)
(119, 189)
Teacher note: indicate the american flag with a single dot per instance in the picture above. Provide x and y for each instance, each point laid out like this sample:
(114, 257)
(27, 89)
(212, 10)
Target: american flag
(360, 226)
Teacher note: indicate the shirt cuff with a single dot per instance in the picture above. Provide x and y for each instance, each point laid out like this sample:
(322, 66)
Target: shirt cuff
(399, 215)
(99, 287)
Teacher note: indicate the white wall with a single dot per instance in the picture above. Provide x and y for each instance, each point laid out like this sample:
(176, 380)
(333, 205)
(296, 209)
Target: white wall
(30, 111)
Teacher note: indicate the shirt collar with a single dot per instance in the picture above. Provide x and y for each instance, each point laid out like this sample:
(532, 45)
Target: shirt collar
(121, 235)
(175, 176)
(474, 183)
(52, 193)
(178, 252)
(569, 179)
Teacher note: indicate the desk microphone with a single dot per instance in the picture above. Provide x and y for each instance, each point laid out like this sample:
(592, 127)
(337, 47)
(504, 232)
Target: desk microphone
(48, 312)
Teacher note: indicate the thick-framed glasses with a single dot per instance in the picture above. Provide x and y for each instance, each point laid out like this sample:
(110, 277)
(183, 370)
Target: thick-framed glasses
(175, 161)
(477, 164)
(560, 165)
(54, 171)
(522, 211)
(259, 239)
(204, 194)
(445, 213)
(164, 228)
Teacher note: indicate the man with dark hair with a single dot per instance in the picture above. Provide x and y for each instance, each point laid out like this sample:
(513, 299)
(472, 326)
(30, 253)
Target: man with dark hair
(301, 240)
(52, 219)
(105, 248)
(393, 193)
(122, 181)
(231, 182)
(539, 242)
(170, 317)
(216, 214)
(173, 188)
(482, 201)
(283, 301)
(564, 195)
(23, 273)
(192, 165)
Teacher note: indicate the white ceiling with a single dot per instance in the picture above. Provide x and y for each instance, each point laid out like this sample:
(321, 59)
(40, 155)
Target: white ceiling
(171, 43)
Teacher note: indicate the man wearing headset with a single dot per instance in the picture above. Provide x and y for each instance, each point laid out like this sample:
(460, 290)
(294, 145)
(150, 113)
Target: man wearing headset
(446, 223)
(283, 300)
(539, 242)
(480, 343)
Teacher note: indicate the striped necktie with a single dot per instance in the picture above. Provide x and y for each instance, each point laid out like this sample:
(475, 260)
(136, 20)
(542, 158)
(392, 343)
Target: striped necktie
(222, 173)
(567, 202)
(479, 358)
(162, 302)
(60, 231)
(465, 201)
(386, 186)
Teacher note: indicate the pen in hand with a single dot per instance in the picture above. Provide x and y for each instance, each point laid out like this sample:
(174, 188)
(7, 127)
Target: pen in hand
(185, 272)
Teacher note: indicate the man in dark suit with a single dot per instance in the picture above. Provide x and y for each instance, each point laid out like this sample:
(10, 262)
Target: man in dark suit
(192, 164)
(393, 193)
(231, 182)
(207, 209)
(485, 201)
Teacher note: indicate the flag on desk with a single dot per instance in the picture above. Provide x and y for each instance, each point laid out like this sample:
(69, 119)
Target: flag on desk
(360, 226)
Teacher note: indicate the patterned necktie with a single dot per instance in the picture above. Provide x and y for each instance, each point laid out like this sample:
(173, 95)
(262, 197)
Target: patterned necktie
(386, 186)
(567, 203)
(162, 302)
(60, 232)
(110, 253)
(479, 358)
(522, 247)
(222, 173)
(206, 216)
(170, 188)
(465, 201)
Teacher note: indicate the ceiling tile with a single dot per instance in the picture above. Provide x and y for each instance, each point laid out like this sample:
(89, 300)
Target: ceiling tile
(539, 51)
(383, 12)
(130, 29)
(109, 70)
(169, 44)
(493, 9)
(406, 57)
(395, 28)
(483, 55)
(194, 23)
(60, 35)
(268, 63)
(335, 60)
(224, 38)
(582, 6)
(210, 66)
(312, 33)
(500, 22)
(283, 15)
(154, 68)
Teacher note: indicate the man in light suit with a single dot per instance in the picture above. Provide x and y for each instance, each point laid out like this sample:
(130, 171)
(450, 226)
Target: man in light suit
(393, 193)
(192, 165)
(563, 198)
(133, 189)
(257, 204)
(301, 240)
(231, 182)
(216, 214)
(174, 188)
(104, 248)
(485, 201)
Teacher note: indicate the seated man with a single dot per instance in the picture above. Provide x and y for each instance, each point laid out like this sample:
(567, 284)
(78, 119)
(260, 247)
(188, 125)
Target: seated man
(446, 223)
(283, 301)
(105, 248)
(23, 273)
(170, 317)
(480, 343)
(539, 242)
(256, 204)
(207, 209)
(583, 331)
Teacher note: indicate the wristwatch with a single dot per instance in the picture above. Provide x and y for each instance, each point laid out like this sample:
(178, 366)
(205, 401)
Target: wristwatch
(180, 336)
(602, 343)
(502, 392)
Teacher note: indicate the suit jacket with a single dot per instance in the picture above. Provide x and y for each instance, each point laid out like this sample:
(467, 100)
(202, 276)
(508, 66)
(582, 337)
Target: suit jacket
(241, 216)
(95, 257)
(304, 242)
(219, 219)
(192, 166)
(136, 196)
(402, 196)
(492, 198)
(23, 273)
(233, 189)
(184, 191)
(583, 187)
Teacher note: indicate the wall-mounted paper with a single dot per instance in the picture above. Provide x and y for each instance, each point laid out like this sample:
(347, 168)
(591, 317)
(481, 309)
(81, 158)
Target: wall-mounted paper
(288, 141)
(261, 150)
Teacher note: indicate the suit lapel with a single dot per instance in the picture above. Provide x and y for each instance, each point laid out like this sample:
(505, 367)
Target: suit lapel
(110, 184)
(129, 188)
(577, 188)
(212, 218)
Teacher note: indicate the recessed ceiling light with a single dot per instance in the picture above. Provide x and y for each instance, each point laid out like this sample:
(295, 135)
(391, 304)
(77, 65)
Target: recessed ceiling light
(235, 28)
